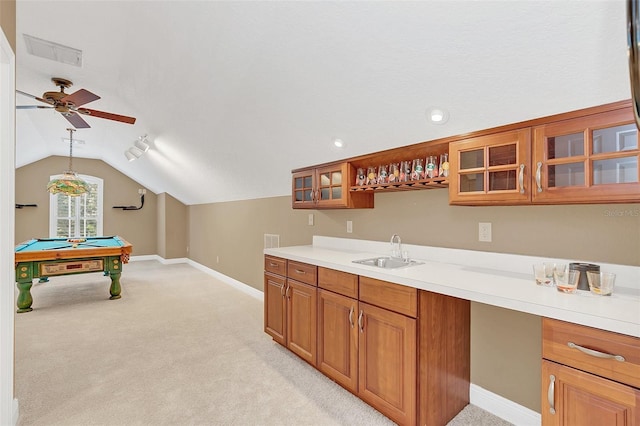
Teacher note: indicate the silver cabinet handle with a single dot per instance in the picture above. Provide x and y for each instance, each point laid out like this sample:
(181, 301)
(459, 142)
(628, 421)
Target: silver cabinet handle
(551, 393)
(282, 290)
(300, 271)
(360, 324)
(595, 353)
(273, 264)
(317, 195)
(538, 178)
(351, 317)
(633, 24)
(521, 178)
(286, 293)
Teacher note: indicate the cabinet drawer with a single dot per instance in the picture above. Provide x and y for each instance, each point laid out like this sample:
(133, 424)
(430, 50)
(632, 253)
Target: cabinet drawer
(398, 298)
(275, 265)
(557, 335)
(338, 282)
(302, 272)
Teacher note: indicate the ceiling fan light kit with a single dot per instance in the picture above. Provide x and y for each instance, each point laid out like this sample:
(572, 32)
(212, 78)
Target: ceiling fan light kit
(69, 183)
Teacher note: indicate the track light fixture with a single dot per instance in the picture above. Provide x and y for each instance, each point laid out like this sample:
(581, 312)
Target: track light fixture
(140, 146)
(142, 143)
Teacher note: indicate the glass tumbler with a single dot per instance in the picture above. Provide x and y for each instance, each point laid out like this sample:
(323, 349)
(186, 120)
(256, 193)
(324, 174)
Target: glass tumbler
(566, 279)
(601, 283)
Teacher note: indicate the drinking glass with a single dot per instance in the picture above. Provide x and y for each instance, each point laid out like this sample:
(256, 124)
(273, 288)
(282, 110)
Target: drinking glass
(360, 177)
(566, 279)
(601, 283)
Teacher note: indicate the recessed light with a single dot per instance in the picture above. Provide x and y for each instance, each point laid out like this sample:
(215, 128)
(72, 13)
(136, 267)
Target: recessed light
(437, 115)
(338, 143)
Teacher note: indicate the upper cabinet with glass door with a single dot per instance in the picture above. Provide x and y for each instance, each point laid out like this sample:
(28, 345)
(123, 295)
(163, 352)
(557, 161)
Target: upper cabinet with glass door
(490, 169)
(589, 159)
(327, 187)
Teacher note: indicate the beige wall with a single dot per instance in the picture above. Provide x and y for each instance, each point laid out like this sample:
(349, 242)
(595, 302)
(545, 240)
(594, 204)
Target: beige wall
(228, 237)
(172, 227)
(8, 21)
(136, 226)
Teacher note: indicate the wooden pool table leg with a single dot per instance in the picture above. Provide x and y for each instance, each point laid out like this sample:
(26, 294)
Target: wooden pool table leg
(115, 285)
(24, 297)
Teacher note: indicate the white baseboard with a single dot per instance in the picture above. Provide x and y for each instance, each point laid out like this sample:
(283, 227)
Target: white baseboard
(503, 407)
(254, 292)
(16, 412)
(222, 277)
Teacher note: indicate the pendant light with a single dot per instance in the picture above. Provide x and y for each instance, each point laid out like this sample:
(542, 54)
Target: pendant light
(69, 183)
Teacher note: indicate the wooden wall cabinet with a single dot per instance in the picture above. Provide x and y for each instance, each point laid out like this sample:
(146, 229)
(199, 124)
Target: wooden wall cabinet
(290, 305)
(588, 159)
(589, 156)
(327, 187)
(589, 376)
(490, 169)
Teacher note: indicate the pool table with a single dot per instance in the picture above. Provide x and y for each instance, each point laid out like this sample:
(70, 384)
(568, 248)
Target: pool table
(46, 257)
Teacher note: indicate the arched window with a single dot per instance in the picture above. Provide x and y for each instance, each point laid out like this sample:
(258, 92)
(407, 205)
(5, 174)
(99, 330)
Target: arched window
(77, 217)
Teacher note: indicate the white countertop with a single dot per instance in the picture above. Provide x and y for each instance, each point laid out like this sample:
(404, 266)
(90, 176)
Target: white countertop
(503, 280)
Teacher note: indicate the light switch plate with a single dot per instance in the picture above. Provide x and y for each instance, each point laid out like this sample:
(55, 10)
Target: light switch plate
(310, 219)
(349, 227)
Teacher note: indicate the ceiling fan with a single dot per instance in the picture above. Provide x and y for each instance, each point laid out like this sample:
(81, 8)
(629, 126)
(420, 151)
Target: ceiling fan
(69, 104)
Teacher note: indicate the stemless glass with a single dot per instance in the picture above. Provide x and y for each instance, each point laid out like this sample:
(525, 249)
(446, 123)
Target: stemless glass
(601, 283)
(566, 279)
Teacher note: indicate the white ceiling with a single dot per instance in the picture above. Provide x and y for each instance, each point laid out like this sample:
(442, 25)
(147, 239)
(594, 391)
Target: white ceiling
(235, 94)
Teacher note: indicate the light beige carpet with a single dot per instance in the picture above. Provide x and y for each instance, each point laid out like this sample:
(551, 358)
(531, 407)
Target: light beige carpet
(179, 348)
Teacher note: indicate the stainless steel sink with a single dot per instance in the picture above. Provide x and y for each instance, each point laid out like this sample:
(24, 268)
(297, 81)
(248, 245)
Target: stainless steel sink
(387, 262)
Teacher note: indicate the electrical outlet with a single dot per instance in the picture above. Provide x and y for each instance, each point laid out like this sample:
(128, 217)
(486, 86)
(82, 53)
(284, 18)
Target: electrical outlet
(484, 232)
(349, 227)
(310, 219)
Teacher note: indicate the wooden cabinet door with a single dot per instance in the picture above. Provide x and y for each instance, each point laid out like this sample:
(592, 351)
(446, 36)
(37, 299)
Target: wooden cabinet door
(490, 169)
(303, 190)
(302, 319)
(338, 338)
(589, 159)
(572, 397)
(275, 313)
(387, 363)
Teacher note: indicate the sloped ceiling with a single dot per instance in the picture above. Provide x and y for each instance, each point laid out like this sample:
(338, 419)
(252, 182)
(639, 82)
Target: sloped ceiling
(234, 95)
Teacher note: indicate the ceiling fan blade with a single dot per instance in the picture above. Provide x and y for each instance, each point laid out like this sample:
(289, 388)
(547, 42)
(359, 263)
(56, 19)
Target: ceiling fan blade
(32, 106)
(80, 97)
(107, 115)
(34, 97)
(77, 121)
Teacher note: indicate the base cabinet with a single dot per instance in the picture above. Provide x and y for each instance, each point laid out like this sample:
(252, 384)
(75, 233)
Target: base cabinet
(403, 351)
(573, 397)
(387, 363)
(290, 306)
(590, 377)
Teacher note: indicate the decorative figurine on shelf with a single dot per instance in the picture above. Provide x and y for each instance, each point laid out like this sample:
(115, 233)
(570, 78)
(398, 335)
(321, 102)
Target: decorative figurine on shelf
(418, 169)
(432, 168)
(382, 174)
(394, 172)
(405, 171)
(361, 178)
(444, 165)
(372, 176)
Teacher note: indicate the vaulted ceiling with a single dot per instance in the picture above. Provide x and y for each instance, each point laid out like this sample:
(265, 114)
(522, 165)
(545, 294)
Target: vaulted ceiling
(234, 95)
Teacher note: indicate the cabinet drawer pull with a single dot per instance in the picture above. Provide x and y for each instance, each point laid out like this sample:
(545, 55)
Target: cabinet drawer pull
(360, 324)
(275, 265)
(521, 178)
(595, 353)
(551, 394)
(300, 271)
(286, 293)
(538, 177)
(351, 317)
(282, 290)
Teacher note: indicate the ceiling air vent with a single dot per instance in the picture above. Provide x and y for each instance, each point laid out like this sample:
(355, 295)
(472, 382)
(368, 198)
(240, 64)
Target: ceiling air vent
(54, 51)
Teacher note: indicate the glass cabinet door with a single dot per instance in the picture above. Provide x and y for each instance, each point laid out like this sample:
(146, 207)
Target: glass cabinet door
(588, 159)
(332, 186)
(303, 191)
(490, 168)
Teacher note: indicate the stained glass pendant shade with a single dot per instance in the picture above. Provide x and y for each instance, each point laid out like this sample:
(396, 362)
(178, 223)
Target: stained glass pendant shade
(69, 183)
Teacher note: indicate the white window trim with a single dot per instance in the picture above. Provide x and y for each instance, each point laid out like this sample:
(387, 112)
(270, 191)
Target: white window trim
(53, 204)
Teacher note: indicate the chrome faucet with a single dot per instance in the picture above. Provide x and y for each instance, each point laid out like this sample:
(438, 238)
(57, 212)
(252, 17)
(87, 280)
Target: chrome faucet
(396, 252)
